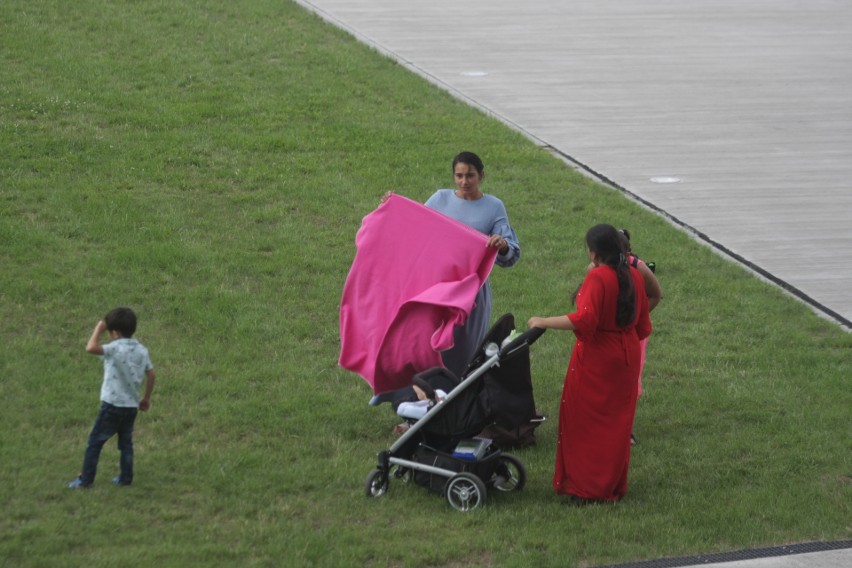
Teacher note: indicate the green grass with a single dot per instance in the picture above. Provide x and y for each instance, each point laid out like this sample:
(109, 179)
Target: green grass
(209, 165)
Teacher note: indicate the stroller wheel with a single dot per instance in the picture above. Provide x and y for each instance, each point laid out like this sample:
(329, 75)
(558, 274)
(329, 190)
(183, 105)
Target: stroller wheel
(509, 475)
(377, 483)
(465, 492)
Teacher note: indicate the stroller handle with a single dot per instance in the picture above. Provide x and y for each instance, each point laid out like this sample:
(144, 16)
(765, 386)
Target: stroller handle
(528, 337)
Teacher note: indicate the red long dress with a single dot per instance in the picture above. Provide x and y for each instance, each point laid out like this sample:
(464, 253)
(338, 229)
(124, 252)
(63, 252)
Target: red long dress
(599, 396)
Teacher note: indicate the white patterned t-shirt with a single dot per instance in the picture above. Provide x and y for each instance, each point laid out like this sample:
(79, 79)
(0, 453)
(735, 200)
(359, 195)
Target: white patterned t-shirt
(125, 363)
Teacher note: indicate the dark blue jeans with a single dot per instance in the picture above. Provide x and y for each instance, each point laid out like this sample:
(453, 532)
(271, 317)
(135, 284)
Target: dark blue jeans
(111, 420)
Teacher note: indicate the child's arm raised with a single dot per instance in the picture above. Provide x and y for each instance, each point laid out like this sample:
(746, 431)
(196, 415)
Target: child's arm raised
(93, 346)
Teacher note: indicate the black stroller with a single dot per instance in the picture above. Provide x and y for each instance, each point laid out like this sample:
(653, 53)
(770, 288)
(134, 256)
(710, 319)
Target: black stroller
(440, 451)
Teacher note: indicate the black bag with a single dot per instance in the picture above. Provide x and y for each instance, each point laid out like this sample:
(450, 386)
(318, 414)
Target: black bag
(522, 436)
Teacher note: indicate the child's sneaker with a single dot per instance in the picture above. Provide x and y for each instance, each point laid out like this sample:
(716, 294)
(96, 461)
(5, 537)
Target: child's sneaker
(78, 484)
(117, 481)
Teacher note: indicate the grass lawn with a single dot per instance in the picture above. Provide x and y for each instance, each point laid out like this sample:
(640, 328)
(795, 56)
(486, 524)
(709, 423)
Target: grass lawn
(209, 164)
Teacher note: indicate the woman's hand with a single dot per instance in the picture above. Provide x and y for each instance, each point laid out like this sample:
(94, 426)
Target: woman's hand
(498, 242)
(554, 322)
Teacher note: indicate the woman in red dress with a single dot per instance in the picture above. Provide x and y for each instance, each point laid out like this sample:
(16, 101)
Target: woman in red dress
(599, 396)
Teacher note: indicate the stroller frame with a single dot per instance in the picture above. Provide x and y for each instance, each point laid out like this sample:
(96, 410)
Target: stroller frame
(464, 490)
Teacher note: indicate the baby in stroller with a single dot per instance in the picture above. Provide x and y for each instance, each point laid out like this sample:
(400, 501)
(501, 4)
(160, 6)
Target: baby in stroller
(427, 397)
(445, 414)
(506, 393)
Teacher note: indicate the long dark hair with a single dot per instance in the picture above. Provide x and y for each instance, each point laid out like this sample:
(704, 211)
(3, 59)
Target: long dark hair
(605, 241)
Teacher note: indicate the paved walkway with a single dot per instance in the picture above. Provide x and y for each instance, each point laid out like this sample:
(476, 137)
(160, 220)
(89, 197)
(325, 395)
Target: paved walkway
(804, 555)
(732, 118)
(829, 559)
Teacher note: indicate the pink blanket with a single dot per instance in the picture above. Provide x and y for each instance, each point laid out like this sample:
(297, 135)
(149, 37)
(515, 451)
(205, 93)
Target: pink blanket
(414, 278)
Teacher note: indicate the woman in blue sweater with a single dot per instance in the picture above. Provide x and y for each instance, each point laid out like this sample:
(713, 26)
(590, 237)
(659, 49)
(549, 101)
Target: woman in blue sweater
(487, 214)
